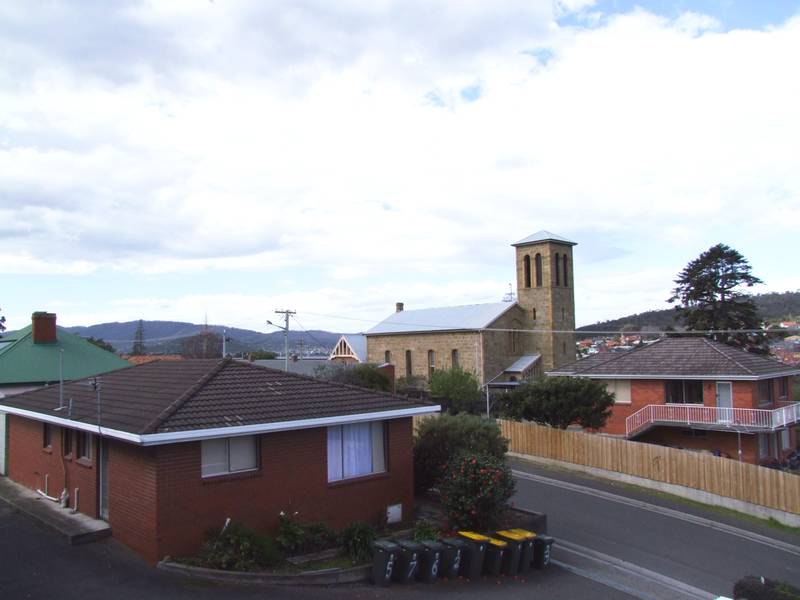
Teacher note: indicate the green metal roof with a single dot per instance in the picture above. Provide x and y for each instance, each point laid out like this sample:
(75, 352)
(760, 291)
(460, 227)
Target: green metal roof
(22, 361)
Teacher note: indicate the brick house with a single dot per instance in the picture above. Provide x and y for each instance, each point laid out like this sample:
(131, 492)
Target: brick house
(43, 353)
(501, 342)
(698, 394)
(175, 448)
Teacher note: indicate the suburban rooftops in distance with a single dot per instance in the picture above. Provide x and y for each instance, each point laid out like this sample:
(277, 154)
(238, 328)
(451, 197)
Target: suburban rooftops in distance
(445, 318)
(679, 358)
(544, 236)
(160, 402)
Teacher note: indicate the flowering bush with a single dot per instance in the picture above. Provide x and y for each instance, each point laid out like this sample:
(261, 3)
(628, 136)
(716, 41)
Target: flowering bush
(475, 489)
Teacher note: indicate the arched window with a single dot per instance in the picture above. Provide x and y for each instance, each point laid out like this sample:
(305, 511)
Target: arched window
(431, 363)
(387, 356)
(557, 267)
(566, 279)
(454, 356)
(537, 260)
(534, 314)
(526, 268)
(408, 363)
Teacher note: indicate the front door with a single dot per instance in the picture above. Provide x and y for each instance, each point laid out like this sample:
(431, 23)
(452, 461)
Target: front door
(724, 402)
(102, 459)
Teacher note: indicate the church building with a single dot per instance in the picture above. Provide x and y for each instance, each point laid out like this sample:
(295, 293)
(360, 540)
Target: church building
(502, 343)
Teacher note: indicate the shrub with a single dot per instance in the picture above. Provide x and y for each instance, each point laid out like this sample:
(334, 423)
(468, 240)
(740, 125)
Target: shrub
(319, 536)
(238, 548)
(439, 439)
(475, 489)
(760, 588)
(297, 538)
(459, 387)
(362, 375)
(424, 530)
(357, 540)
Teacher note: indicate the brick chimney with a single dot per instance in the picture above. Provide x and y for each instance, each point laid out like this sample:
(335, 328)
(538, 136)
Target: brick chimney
(43, 327)
(398, 307)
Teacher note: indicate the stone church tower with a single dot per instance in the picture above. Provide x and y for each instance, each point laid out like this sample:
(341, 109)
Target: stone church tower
(546, 292)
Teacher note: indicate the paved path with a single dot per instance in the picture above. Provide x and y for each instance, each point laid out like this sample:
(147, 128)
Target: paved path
(650, 545)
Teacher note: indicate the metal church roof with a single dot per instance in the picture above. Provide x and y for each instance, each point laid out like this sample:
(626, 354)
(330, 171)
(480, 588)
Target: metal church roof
(544, 236)
(446, 318)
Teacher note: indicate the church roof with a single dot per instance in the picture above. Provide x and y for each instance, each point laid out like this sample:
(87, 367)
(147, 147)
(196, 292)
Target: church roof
(544, 236)
(446, 318)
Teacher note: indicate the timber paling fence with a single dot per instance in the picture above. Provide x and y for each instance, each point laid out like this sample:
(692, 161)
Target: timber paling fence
(722, 476)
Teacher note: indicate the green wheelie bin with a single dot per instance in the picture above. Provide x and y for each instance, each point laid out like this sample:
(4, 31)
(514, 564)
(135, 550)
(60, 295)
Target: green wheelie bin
(454, 550)
(405, 570)
(430, 561)
(495, 556)
(542, 546)
(384, 556)
(513, 555)
(472, 565)
(526, 560)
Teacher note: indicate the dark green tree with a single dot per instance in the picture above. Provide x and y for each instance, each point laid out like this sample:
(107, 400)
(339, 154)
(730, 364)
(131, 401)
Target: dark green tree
(362, 375)
(205, 344)
(262, 355)
(560, 402)
(101, 343)
(459, 387)
(138, 340)
(710, 297)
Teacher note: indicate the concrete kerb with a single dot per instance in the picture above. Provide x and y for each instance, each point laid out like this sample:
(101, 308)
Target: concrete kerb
(323, 577)
(754, 510)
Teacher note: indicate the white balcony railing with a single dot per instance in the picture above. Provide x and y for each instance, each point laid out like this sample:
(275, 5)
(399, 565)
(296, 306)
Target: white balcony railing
(711, 417)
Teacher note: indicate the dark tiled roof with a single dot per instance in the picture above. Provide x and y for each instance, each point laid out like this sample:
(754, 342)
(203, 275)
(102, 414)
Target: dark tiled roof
(679, 357)
(160, 397)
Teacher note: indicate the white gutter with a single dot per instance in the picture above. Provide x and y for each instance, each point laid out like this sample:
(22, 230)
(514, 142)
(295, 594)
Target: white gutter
(718, 376)
(154, 439)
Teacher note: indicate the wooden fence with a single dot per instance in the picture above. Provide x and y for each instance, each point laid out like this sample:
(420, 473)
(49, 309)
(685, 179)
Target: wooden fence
(701, 471)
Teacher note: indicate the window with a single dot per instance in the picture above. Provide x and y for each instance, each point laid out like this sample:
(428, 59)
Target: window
(537, 260)
(526, 267)
(564, 263)
(431, 363)
(765, 392)
(621, 388)
(454, 357)
(47, 435)
(356, 450)
(66, 441)
(408, 363)
(83, 445)
(683, 392)
(228, 455)
(557, 268)
(534, 314)
(387, 356)
(783, 387)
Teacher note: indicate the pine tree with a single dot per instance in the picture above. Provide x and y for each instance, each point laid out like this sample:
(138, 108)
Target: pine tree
(710, 296)
(138, 340)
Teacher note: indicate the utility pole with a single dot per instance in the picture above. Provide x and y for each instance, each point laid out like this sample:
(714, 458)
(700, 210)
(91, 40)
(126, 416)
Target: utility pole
(223, 343)
(285, 328)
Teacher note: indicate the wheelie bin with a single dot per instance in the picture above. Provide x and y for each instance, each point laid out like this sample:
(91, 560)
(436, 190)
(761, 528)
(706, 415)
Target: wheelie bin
(495, 553)
(405, 570)
(542, 546)
(384, 556)
(472, 565)
(453, 553)
(430, 561)
(513, 555)
(526, 560)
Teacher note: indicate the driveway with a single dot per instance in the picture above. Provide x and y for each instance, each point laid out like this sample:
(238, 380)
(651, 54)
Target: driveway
(36, 563)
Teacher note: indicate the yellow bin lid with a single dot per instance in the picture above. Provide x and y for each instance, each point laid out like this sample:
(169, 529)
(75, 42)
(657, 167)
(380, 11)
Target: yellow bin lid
(498, 543)
(523, 532)
(474, 536)
(513, 535)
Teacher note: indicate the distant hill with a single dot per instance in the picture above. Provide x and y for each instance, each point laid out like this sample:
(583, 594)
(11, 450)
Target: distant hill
(166, 337)
(771, 307)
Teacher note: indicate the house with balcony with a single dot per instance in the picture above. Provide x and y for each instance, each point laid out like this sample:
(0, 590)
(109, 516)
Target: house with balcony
(695, 393)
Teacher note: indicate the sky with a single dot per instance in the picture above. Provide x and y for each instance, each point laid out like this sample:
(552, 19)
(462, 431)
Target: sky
(218, 160)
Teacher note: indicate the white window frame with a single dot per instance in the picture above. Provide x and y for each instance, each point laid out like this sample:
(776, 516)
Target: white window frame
(336, 451)
(88, 442)
(205, 446)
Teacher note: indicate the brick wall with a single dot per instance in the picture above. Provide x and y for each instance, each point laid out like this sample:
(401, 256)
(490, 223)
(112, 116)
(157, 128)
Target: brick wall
(466, 342)
(292, 477)
(29, 462)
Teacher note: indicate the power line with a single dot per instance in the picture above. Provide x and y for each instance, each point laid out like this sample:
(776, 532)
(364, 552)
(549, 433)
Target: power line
(299, 324)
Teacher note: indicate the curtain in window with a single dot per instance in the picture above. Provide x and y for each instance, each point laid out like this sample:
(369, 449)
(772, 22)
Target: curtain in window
(378, 448)
(214, 457)
(356, 449)
(243, 455)
(335, 472)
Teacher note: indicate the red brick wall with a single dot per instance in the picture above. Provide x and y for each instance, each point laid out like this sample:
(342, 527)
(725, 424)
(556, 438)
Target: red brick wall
(132, 478)
(713, 440)
(292, 477)
(28, 463)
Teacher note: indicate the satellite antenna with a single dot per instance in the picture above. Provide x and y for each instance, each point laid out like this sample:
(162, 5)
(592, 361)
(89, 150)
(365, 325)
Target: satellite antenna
(509, 295)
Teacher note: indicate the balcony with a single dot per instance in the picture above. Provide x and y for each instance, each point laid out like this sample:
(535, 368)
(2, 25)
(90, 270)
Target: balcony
(698, 416)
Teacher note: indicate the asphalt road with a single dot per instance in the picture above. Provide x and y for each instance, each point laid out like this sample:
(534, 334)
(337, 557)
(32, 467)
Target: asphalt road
(634, 530)
(36, 563)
